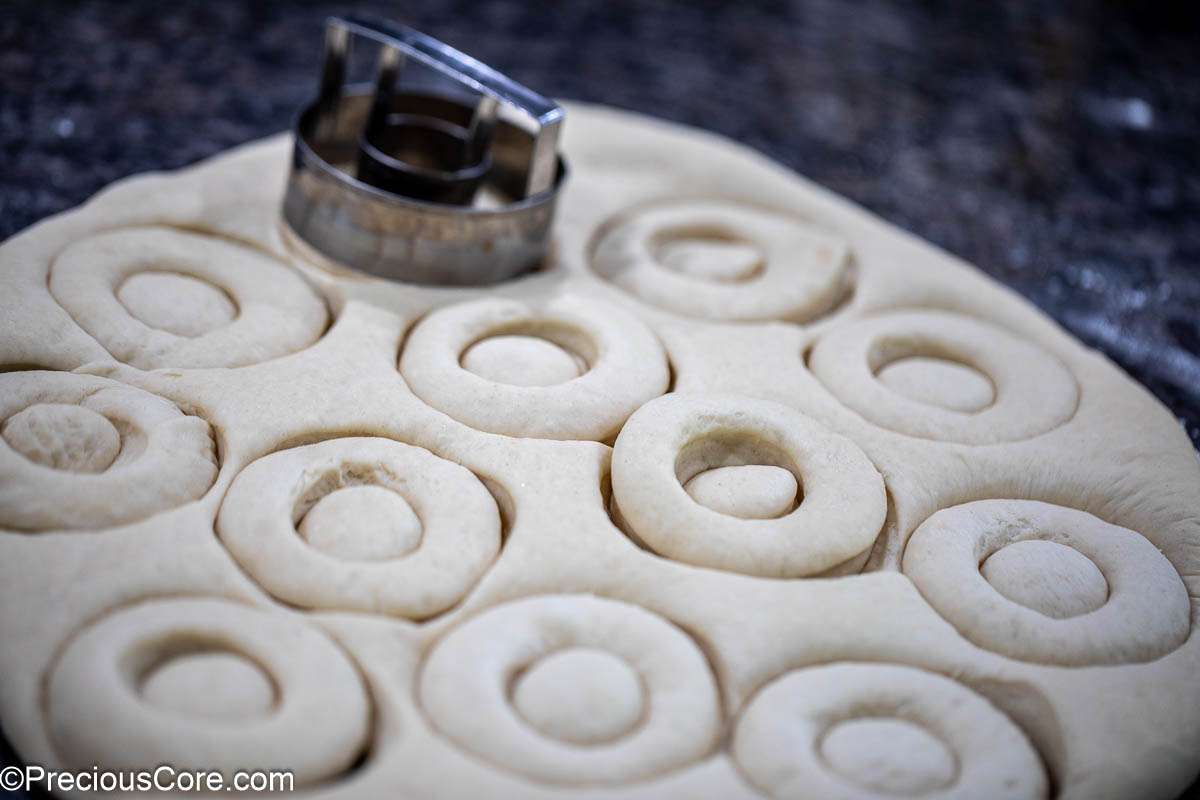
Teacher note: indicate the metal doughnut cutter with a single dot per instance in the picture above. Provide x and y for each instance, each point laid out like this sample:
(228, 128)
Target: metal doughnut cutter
(453, 182)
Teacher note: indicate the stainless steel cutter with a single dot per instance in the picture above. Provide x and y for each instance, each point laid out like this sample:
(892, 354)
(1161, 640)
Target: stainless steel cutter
(452, 180)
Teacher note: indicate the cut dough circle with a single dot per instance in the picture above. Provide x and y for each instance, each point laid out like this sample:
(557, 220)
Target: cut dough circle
(1048, 577)
(1034, 392)
(888, 755)
(712, 257)
(1146, 613)
(63, 436)
(368, 523)
(467, 689)
(753, 491)
(161, 297)
(671, 440)
(214, 684)
(580, 695)
(698, 258)
(104, 707)
(938, 382)
(861, 731)
(626, 366)
(78, 451)
(458, 539)
(176, 303)
(522, 361)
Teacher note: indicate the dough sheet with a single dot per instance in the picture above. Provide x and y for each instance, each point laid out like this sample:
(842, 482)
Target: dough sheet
(745, 494)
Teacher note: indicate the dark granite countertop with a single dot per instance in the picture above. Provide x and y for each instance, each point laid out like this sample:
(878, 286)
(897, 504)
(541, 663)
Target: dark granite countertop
(1053, 144)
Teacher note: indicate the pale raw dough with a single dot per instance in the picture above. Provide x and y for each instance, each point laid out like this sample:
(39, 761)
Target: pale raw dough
(672, 440)
(102, 280)
(105, 683)
(623, 367)
(1033, 391)
(278, 507)
(750, 494)
(1144, 609)
(673, 718)
(78, 451)
(751, 491)
(1051, 578)
(794, 739)
(766, 265)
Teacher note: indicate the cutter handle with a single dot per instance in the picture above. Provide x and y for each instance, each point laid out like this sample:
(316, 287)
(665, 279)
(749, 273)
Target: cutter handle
(545, 114)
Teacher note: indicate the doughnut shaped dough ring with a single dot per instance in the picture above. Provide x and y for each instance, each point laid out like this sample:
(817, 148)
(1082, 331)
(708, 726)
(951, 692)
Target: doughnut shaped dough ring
(465, 689)
(841, 513)
(277, 311)
(317, 725)
(803, 272)
(1034, 392)
(626, 367)
(781, 740)
(1146, 615)
(459, 538)
(165, 457)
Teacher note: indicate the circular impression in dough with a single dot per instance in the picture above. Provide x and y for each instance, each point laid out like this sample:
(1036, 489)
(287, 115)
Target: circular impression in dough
(361, 524)
(745, 485)
(573, 689)
(1045, 583)
(852, 731)
(572, 369)
(944, 376)
(77, 451)
(161, 297)
(722, 260)
(124, 692)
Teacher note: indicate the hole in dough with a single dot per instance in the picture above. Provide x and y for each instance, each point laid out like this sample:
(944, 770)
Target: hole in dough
(736, 473)
(1048, 577)
(752, 491)
(63, 436)
(362, 523)
(709, 253)
(580, 695)
(938, 382)
(522, 361)
(888, 755)
(215, 684)
(181, 304)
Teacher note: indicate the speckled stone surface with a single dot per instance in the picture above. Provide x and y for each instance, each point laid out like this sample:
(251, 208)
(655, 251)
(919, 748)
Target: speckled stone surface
(1052, 144)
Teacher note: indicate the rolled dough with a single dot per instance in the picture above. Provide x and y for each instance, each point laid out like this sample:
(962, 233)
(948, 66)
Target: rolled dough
(747, 494)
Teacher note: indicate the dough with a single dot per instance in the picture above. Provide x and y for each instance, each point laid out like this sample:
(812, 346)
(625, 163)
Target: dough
(748, 495)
